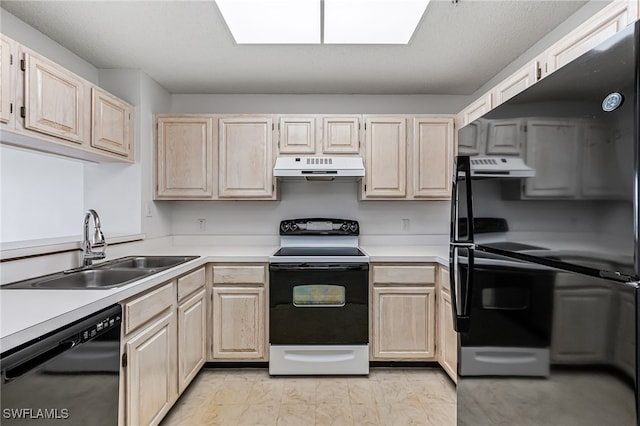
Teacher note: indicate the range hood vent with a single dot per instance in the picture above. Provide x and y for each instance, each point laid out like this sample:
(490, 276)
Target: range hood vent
(500, 167)
(319, 168)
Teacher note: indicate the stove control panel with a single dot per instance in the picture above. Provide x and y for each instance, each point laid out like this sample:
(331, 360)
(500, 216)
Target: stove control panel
(319, 226)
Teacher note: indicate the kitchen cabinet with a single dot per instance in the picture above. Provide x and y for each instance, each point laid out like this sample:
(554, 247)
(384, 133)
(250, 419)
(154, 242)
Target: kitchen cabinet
(246, 157)
(185, 157)
(447, 337)
(610, 20)
(6, 86)
(150, 355)
(238, 320)
(192, 327)
(517, 82)
(45, 107)
(54, 99)
(505, 137)
(432, 157)
(475, 110)
(319, 134)
(111, 123)
(551, 149)
(385, 156)
(403, 312)
(471, 137)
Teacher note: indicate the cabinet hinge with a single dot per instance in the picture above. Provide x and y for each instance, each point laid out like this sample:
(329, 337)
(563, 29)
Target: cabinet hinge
(273, 187)
(365, 188)
(124, 360)
(11, 59)
(23, 112)
(524, 128)
(10, 108)
(23, 65)
(538, 73)
(273, 126)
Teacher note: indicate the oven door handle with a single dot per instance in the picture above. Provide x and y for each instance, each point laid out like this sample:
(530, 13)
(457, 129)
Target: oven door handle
(461, 291)
(318, 267)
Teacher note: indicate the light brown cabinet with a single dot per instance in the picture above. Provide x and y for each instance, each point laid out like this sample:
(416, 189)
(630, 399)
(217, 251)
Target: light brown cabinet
(447, 336)
(110, 123)
(192, 327)
(475, 110)
(432, 157)
(319, 134)
(185, 157)
(403, 312)
(6, 86)
(45, 107)
(385, 157)
(246, 157)
(238, 309)
(150, 356)
(517, 82)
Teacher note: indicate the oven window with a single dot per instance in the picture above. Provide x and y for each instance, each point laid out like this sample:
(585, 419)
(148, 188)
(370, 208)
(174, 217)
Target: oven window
(315, 295)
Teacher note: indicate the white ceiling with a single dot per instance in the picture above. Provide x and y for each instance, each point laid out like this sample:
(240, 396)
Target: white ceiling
(186, 47)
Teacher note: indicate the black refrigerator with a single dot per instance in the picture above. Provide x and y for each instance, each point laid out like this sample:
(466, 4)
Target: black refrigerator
(544, 248)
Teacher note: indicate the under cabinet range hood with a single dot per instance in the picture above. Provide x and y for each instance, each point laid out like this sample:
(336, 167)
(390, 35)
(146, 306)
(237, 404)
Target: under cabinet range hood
(502, 167)
(319, 168)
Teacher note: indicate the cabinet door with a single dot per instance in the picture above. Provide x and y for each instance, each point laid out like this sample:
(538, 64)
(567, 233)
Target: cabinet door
(385, 157)
(447, 336)
(246, 160)
(504, 137)
(185, 155)
(552, 149)
(597, 29)
(604, 159)
(432, 157)
(111, 123)
(517, 82)
(5, 79)
(477, 109)
(151, 372)
(340, 134)
(191, 339)
(297, 135)
(238, 323)
(55, 99)
(403, 321)
(580, 328)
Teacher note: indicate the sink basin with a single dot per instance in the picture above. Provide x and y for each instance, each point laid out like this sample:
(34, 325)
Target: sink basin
(147, 262)
(93, 279)
(114, 273)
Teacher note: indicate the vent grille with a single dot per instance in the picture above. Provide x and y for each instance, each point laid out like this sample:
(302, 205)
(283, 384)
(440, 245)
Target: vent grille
(315, 160)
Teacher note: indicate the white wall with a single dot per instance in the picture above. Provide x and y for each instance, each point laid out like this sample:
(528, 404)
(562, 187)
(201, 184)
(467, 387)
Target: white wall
(31, 183)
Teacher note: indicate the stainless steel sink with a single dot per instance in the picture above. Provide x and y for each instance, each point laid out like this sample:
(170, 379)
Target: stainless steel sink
(114, 273)
(147, 262)
(94, 279)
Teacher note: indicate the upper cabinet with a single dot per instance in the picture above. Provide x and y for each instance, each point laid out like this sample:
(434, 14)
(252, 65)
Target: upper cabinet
(246, 157)
(6, 86)
(517, 82)
(54, 100)
(319, 134)
(477, 109)
(597, 29)
(385, 156)
(408, 157)
(48, 108)
(185, 157)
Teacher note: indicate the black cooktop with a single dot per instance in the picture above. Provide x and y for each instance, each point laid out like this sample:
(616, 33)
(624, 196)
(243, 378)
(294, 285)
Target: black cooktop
(319, 251)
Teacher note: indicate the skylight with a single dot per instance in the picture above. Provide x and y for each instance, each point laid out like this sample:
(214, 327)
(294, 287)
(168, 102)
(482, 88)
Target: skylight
(322, 21)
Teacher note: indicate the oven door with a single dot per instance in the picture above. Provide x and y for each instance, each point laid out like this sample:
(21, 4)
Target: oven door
(318, 304)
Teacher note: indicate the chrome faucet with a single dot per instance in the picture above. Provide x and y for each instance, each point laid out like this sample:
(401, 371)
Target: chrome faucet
(88, 255)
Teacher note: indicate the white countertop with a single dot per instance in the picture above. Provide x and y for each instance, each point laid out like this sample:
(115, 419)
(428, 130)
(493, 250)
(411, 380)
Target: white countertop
(28, 314)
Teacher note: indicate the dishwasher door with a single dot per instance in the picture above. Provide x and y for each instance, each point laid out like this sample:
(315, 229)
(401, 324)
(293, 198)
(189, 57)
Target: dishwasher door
(69, 376)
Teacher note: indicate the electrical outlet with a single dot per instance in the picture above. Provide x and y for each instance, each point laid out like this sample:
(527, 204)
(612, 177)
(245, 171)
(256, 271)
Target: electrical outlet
(404, 225)
(148, 209)
(202, 225)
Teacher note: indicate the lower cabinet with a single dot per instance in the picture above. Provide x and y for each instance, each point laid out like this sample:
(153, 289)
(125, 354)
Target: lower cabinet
(238, 313)
(403, 312)
(447, 337)
(163, 347)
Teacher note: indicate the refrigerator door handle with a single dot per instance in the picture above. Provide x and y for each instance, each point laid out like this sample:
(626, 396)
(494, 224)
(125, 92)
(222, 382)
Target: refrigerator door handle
(462, 167)
(461, 291)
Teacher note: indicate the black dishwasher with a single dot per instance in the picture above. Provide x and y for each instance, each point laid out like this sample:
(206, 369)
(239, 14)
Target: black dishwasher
(67, 377)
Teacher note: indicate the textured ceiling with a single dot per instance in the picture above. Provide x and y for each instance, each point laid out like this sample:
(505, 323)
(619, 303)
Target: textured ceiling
(186, 47)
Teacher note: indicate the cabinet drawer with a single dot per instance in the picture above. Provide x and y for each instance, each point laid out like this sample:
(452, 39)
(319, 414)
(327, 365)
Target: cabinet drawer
(404, 274)
(144, 308)
(190, 283)
(239, 274)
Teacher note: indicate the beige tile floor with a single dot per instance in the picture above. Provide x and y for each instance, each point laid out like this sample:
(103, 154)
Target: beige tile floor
(388, 396)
